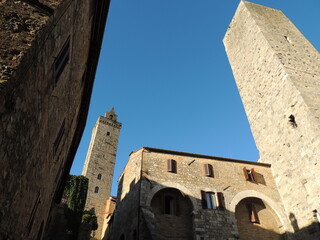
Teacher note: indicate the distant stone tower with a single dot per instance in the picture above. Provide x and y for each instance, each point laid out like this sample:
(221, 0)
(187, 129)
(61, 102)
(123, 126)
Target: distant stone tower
(278, 77)
(99, 164)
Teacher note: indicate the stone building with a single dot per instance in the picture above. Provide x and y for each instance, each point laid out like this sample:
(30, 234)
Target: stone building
(277, 72)
(166, 194)
(49, 51)
(99, 165)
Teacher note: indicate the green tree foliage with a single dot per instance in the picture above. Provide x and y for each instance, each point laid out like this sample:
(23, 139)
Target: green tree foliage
(89, 217)
(75, 194)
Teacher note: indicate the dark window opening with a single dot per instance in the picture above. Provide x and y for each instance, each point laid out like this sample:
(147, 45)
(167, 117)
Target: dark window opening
(61, 61)
(169, 205)
(253, 215)
(99, 176)
(250, 174)
(122, 237)
(59, 137)
(208, 170)
(171, 166)
(96, 190)
(108, 133)
(292, 121)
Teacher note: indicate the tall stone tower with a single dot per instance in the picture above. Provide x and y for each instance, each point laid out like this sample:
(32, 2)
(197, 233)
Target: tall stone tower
(277, 73)
(99, 164)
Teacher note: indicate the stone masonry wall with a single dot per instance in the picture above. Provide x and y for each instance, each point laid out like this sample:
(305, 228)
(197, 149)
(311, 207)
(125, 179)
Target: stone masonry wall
(277, 73)
(37, 118)
(100, 162)
(127, 211)
(228, 178)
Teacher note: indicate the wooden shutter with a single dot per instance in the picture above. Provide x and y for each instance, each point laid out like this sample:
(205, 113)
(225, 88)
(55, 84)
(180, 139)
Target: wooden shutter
(204, 200)
(171, 166)
(220, 201)
(246, 174)
(254, 175)
(208, 170)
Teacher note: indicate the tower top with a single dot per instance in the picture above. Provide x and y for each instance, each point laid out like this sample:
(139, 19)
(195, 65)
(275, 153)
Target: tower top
(111, 115)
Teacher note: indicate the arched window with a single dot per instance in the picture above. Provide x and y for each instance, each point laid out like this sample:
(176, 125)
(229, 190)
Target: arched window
(99, 176)
(96, 190)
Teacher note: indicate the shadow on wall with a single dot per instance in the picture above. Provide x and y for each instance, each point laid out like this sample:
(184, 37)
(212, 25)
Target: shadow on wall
(172, 213)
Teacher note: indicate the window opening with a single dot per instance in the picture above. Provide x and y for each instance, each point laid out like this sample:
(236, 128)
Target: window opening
(99, 176)
(108, 133)
(210, 200)
(169, 205)
(253, 215)
(59, 136)
(292, 121)
(208, 169)
(250, 174)
(96, 190)
(171, 166)
(61, 61)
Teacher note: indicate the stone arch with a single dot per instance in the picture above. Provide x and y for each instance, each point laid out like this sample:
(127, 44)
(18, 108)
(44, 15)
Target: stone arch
(277, 209)
(172, 214)
(164, 185)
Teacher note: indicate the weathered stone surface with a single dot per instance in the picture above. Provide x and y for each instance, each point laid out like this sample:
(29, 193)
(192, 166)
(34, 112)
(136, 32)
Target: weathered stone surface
(278, 76)
(99, 165)
(146, 175)
(42, 117)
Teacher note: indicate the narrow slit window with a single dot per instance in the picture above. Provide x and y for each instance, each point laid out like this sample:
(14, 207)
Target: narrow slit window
(61, 61)
(99, 176)
(96, 189)
(59, 136)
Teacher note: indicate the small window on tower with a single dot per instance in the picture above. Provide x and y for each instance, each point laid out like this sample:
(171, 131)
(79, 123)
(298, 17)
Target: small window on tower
(99, 176)
(108, 133)
(96, 190)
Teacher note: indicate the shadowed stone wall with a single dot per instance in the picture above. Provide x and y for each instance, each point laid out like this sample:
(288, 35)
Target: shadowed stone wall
(48, 51)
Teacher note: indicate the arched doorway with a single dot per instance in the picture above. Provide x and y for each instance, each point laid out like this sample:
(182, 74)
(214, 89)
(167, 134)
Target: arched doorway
(173, 214)
(256, 220)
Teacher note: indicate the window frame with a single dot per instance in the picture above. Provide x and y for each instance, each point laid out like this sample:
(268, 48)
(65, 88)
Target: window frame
(250, 174)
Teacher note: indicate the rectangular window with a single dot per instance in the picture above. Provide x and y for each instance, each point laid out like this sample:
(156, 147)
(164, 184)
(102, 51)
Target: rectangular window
(250, 174)
(210, 198)
(208, 170)
(253, 215)
(171, 166)
(61, 61)
(59, 137)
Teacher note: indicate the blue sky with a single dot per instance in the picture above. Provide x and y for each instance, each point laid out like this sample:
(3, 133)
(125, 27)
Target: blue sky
(164, 69)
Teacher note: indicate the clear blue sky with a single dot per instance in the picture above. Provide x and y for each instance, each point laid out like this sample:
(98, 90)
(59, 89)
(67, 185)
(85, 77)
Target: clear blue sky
(164, 68)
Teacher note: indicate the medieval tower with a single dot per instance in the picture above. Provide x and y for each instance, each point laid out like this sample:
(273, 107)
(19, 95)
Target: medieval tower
(99, 164)
(278, 77)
